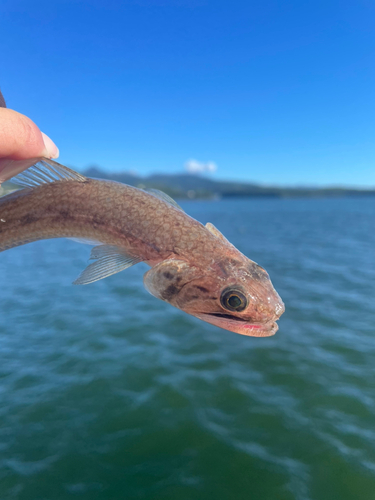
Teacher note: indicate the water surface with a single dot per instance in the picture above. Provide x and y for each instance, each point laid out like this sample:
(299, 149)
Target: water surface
(108, 393)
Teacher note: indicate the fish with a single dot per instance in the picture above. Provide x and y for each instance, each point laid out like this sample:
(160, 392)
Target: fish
(193, 266)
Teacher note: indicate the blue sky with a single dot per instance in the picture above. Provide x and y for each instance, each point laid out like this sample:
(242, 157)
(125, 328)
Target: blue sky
(276, 92)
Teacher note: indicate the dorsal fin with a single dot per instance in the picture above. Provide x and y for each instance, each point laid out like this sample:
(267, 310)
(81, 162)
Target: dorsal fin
(217, 233)
(11, 168)
(163, 196)
(44, 172)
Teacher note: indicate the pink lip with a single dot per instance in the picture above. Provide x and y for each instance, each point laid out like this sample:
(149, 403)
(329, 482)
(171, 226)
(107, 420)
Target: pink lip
(255, 330)
(264, 330)
(241, 327)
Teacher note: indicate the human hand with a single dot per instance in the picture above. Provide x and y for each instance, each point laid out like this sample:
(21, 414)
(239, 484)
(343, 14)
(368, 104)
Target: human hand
(21, 142)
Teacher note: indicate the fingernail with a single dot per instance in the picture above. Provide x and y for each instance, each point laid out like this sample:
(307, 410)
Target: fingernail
(51, 148)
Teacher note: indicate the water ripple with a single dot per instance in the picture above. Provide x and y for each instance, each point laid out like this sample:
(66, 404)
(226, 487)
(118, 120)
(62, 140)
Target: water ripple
(107, 392)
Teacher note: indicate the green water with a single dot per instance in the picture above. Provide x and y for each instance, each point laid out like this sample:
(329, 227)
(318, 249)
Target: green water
(107, 393)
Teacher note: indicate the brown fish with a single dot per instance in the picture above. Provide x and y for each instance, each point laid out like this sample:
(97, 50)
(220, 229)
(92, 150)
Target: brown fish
(193, 267)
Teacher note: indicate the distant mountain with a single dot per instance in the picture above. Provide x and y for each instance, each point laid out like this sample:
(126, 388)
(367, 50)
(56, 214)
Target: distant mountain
(200, 187)
(192, 186)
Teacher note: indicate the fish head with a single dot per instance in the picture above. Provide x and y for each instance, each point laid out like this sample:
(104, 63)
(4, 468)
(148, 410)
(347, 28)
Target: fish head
(235, 293)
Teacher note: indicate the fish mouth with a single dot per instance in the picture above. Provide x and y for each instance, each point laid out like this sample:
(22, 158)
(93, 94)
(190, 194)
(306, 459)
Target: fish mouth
(240, 325)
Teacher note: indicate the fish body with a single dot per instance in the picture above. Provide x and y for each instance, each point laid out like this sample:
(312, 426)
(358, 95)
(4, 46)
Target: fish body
(193, 267)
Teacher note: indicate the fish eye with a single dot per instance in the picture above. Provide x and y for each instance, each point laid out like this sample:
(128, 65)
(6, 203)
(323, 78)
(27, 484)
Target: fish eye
(233, 300)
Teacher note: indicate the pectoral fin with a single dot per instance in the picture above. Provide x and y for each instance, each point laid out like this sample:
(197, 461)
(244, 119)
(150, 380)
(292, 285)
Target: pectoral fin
(108, 260)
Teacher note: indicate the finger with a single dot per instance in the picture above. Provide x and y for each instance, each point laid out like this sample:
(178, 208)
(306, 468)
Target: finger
(21, 139)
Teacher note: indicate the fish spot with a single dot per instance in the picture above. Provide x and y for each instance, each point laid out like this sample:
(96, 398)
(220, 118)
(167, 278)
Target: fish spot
(170, 292)
(28, 219)
(222, 268)
(168, 275)
(192, 297)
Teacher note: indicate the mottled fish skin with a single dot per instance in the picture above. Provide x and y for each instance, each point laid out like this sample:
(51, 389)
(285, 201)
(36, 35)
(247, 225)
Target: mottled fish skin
(192, 266)
(104, 211)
